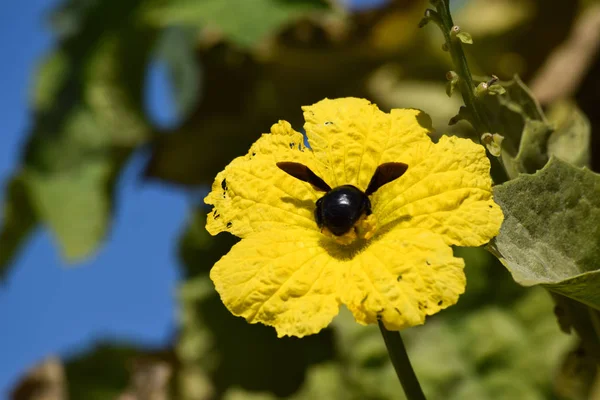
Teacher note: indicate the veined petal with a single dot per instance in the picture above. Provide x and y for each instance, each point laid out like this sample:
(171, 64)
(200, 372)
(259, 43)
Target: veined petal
(281, 278)
(352, 137)
(252, 194)
(446, 190)
(401, 278)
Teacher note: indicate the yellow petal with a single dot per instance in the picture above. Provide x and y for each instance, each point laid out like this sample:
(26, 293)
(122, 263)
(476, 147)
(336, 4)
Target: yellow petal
(281, 278)
(401, 278)
(446, 190)
(351, 137)
(252, 194)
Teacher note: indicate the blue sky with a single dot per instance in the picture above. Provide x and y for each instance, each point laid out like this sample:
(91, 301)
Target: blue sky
(127, 291)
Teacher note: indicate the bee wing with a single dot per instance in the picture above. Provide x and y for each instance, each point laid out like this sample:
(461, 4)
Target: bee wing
(302, 172)
(385, 173)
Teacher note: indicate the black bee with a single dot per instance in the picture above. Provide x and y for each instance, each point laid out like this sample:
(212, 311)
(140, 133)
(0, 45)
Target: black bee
(341, 207)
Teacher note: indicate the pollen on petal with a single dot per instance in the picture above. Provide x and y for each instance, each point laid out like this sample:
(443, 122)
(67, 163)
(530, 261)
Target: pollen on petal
(345, 239)
(366, 226)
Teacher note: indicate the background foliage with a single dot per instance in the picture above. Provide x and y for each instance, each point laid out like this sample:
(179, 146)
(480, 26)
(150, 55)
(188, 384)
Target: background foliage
(236, 67)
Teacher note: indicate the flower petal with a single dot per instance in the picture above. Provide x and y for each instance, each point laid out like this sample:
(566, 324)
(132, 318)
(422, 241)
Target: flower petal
(447, 190)
(252, 194)
(352, 137)
(401, 278)
(281, 278)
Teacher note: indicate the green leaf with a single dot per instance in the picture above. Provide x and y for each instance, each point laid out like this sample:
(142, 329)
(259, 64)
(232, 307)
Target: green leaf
(88, 117)
(465, 37)
(176, 48)
(100, 374)
(570, 140)
(551, 231)
(119, 371)
(74, 205)
(533, 150)
(453, 79)
(516, 115)
(18, 220)
(228, 116)
(509, 112)
(496, 89)
(245, 22)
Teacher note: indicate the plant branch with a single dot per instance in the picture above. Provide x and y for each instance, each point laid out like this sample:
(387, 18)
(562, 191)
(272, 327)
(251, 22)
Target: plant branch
(465, 83)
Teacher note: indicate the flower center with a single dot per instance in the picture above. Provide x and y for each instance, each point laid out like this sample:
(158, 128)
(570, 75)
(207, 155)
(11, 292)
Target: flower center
(363, 229)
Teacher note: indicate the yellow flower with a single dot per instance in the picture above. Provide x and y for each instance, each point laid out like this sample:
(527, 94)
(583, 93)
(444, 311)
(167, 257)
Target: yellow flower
(395, 265)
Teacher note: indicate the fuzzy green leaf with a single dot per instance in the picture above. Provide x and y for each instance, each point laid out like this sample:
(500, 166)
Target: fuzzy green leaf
(551, 232)
(510, 111)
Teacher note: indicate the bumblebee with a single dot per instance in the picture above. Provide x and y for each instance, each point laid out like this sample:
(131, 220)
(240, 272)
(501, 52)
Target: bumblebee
(342, 207)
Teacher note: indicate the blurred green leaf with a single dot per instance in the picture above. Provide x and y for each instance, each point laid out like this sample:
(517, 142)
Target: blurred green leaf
(119, 371)
(177, 49)
(503, 332)
(180, 157)
(75, 205)
(245, 22)
(533, 150)
(18, 220)
(518, 117)
(88, 117)
(221, 121)
(570, 140)
(576, 376)
(551, 231)
(575, 316)
(465, 37)
(496, 89)
(101, 374)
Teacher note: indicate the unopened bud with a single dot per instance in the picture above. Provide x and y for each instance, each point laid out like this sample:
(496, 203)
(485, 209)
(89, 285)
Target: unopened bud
(481, 89)
(493, 143)
(426, 18)
(457, 33)
(453, 79)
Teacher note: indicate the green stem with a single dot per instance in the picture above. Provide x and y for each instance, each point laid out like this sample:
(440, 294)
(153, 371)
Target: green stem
(465, 83)
(401, 363)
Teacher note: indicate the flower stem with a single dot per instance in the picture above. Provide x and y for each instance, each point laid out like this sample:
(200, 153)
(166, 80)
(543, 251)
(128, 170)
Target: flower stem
(401, 363)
